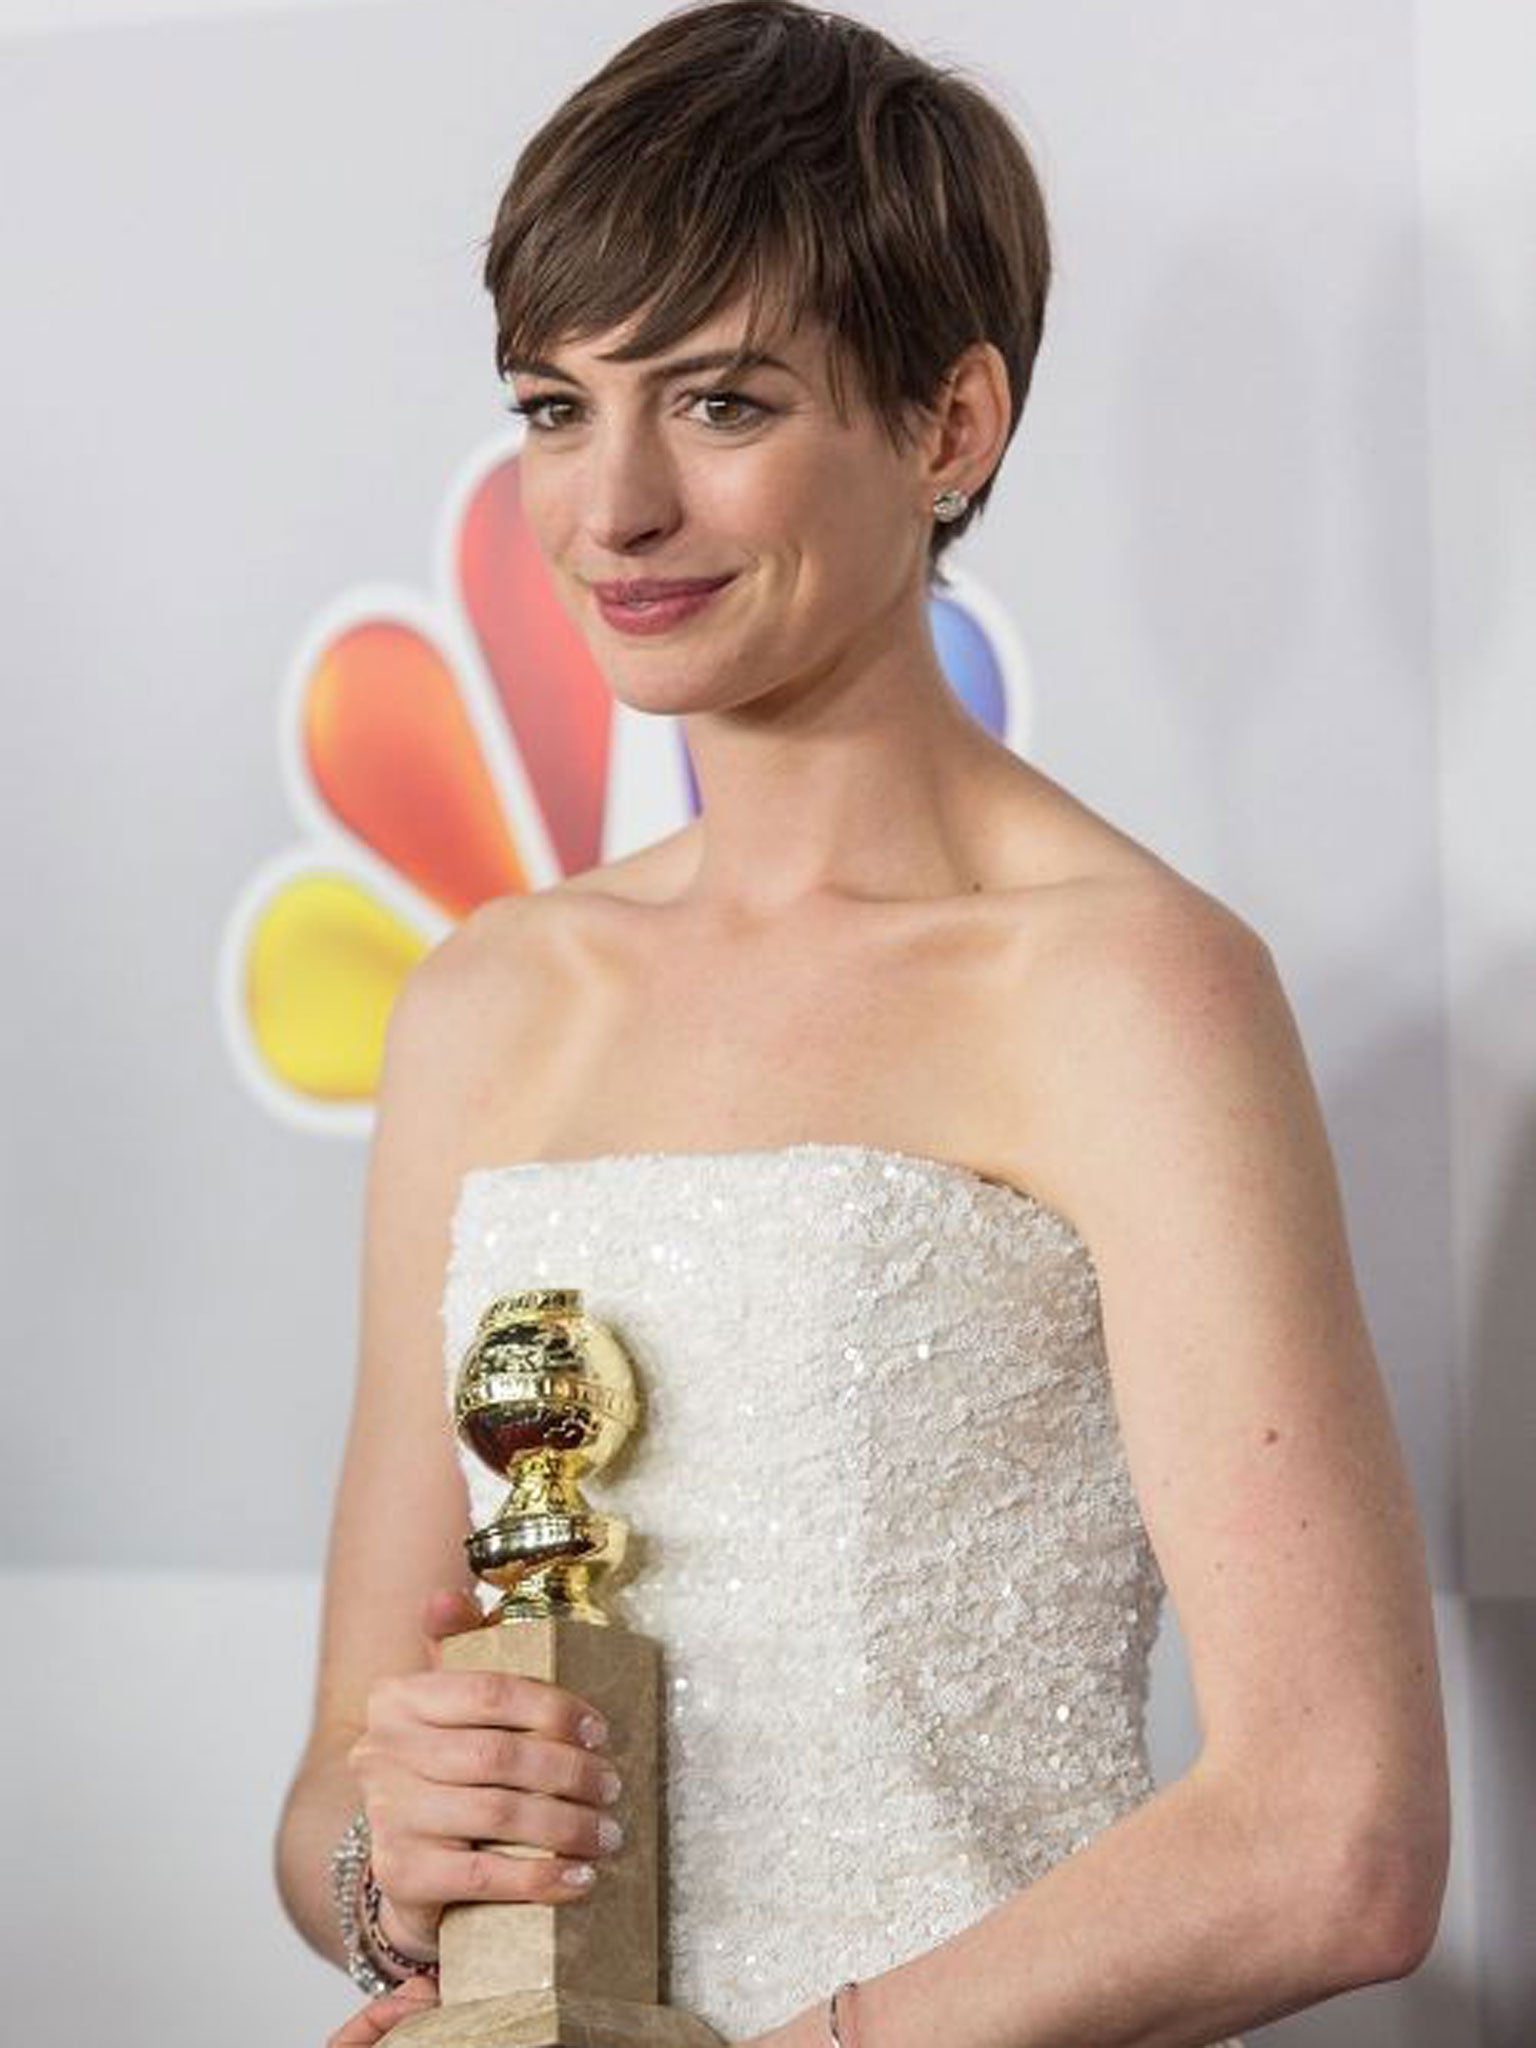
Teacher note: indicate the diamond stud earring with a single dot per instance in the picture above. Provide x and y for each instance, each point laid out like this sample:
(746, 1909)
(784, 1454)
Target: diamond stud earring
(950, 504)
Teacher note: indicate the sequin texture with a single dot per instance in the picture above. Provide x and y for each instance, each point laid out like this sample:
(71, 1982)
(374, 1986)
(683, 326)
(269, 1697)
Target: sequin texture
(881, 1524)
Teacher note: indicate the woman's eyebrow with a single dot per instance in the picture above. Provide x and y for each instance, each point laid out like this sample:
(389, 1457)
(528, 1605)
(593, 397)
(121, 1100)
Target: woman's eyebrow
(738, 360)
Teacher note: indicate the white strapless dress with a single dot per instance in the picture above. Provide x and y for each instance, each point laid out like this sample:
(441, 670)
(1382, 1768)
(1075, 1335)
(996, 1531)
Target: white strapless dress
(882, 1527)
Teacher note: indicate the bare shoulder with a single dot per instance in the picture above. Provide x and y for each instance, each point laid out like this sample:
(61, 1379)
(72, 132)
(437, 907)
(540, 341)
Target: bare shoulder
(497, 973)
(466, 1006)
(656, 873)
(448, 1001)
(484, 1027)
(1142, 935)
(516, 944)
(517, 941)
(1160, 1046)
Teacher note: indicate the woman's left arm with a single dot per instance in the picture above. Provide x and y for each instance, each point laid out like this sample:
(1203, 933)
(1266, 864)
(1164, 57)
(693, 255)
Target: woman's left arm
(1304, 1852)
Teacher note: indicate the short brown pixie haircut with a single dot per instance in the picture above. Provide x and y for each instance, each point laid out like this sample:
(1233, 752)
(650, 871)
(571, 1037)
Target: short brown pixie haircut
(802, 158)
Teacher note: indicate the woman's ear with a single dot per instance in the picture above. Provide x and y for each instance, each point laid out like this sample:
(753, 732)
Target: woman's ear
(972, 419)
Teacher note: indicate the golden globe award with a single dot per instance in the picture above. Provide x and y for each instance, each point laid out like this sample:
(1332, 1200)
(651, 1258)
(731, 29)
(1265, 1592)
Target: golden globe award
(545, 1395)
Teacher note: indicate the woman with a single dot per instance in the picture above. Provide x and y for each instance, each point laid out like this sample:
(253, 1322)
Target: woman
(951, 1161)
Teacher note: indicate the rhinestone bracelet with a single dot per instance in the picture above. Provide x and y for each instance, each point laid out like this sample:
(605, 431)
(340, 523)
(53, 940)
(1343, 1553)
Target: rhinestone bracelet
(349, 1859)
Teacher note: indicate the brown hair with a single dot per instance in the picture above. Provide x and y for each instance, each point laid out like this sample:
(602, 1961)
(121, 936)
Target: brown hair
(802, 157)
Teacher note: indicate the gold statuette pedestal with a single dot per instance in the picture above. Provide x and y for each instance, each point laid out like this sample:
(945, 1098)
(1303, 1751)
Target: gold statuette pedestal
(544, 1395)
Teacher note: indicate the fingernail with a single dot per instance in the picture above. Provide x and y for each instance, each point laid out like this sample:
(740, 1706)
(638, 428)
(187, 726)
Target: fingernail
(609, 1786)
(579, 1873)
(593, 1732)
(610, 1835)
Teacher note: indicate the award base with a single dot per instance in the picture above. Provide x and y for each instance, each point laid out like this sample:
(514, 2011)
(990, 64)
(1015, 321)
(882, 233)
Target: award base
(521, 1974)
(554, 2019)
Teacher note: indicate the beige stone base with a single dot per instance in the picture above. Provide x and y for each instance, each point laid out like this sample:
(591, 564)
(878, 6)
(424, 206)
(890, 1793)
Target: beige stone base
(583, 1974)
(552, 2019)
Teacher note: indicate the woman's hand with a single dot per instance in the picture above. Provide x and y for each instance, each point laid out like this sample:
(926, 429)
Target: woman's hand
(364, 2028)
(451, 1758)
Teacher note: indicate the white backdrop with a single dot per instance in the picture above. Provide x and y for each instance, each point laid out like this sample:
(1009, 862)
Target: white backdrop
(1261, 534)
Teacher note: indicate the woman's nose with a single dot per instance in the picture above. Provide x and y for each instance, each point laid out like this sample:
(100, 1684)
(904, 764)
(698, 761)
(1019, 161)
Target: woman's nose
(630, 489)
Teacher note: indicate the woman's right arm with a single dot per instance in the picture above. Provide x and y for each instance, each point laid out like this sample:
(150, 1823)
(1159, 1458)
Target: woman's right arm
(439, 1760)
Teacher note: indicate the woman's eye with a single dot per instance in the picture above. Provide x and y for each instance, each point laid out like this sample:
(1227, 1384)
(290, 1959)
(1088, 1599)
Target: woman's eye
(754, 410)
(532, 410)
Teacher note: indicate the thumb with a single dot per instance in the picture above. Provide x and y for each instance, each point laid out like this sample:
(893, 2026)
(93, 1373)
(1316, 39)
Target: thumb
(380, 2016)
(446, 1612)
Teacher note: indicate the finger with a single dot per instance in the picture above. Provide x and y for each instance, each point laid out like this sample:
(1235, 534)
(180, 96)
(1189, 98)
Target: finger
(488, 1699)
(449, 1613)
(420, 1875)
(459, 1815)
(498, 1758)
(380, 2014)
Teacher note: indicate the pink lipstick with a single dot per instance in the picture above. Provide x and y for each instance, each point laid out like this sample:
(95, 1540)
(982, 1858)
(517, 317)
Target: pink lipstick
(655, 605)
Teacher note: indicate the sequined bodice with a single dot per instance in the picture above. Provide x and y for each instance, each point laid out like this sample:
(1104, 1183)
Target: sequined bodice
(882, 1527)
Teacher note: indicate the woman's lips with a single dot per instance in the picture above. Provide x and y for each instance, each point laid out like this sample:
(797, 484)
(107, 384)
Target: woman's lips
(658, 614)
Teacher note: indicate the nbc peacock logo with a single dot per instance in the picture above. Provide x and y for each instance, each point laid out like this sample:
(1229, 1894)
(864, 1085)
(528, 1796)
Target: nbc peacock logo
(444, 748)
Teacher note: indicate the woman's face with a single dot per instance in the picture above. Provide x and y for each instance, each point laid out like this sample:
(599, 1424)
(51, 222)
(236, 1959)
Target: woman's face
(650, 470)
